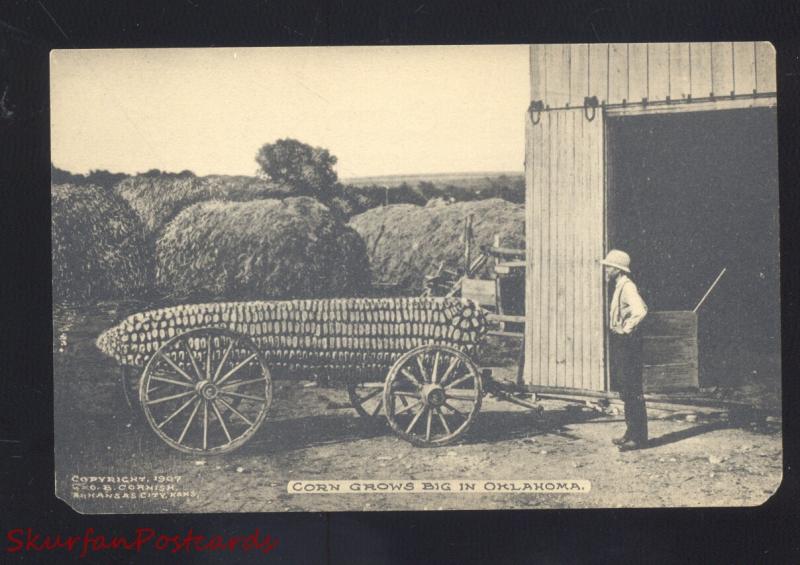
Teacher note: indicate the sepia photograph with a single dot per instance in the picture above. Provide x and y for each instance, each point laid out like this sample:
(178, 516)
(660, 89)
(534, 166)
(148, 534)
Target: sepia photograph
(464, 277)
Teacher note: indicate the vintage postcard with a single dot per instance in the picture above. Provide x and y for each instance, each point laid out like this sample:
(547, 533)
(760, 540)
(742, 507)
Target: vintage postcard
(416, 278)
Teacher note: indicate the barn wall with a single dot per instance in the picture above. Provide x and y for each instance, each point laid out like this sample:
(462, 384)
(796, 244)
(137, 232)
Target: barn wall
(617, 73)
(566, 169)
(564, 342)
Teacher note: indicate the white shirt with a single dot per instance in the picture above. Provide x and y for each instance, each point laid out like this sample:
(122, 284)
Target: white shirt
(627, 306)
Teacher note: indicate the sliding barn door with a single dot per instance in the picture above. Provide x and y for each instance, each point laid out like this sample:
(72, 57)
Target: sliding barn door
(564, 175)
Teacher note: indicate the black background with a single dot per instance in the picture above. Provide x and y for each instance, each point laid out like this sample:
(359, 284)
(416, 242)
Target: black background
(29, 29)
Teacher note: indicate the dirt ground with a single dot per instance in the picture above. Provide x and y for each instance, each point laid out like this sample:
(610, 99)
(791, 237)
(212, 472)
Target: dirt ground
(310, 434)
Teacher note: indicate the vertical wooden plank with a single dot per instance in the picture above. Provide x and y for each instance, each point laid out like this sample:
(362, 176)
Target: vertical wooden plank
(637, 72)
(557, 75)
(598, 71)
(588, 175)
(547, 169)
(617, 73)
(552, 249)
(579, 79)
(538, 86)
(565, 255)
(597, 214)
(571, 221)
(558, 250)
(529, 306)
(588, 198)
(679, 71)
(586, 251)
(722, 69)
(562, 304)
(592, 172)
(538, 165)
(744, 68)
(532, 233)
(539, 180)
(540, 140)
(571, 218)
(765, 67)
(577, 337)
(658, 71)
(700, 60)
(580, 238)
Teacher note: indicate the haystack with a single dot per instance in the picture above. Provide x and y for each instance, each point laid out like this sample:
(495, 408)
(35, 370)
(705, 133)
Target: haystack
(99, 247)
(407, 242)
(263, 249)
(159, 198)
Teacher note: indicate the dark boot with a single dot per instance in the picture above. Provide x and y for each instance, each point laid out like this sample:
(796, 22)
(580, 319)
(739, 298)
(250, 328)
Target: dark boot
(620, 440)
(636, 418)
(631, 445)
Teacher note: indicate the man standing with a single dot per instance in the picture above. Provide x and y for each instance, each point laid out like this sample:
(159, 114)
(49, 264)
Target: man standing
(626, 312)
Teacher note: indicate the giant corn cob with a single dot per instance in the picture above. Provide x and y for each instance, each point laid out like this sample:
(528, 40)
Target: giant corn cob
(339, 337)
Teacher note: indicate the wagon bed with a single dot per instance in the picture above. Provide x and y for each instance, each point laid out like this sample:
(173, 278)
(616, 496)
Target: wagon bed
(205, 371)
(346, 338)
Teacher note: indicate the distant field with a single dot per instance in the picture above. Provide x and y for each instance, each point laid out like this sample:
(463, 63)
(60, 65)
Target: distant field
(475, 181)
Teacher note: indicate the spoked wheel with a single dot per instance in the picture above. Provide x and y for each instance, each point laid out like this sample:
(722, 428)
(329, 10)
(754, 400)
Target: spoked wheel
(366, 398)
(129, 382)
(432, 395)
(206, 391)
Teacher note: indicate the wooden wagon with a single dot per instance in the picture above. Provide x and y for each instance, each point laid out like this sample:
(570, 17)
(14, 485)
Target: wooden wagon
(205, 372)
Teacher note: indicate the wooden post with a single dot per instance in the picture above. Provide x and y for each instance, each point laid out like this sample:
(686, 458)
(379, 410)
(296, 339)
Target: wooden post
(468, 246)
(521, 361)
(496, 244)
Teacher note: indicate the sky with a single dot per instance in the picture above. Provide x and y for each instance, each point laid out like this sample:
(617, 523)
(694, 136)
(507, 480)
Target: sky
(380, 110)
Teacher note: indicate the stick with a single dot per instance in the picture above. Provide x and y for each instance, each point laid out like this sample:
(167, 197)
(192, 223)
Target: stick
(710, 289)
(377, 239)
(468, 245)
(521, 362)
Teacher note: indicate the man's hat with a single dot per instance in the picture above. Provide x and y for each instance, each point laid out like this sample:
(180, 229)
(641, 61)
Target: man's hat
(618, 259)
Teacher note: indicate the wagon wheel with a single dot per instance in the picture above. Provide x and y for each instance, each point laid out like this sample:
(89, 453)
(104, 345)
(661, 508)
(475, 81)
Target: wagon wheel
(129, 382)
(206, 391)
(442, 390)
(366, 398)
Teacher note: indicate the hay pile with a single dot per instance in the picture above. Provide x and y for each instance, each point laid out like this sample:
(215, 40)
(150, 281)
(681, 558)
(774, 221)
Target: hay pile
(263, 249)
(159, 198)
(99, 246)
(415, 240)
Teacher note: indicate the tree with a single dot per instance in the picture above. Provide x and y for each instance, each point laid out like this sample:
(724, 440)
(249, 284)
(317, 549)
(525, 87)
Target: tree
(307, 170)
(97, 177)
(104, 178)
(60, 176)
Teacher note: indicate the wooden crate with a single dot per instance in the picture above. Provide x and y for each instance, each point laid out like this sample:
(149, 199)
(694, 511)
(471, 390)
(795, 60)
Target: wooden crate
(481, 291)
(669, 351)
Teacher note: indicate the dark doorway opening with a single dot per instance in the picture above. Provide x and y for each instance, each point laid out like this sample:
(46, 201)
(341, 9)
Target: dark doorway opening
(690, 194)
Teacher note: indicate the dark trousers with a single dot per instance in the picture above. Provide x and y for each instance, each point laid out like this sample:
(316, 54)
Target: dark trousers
(628, 350)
